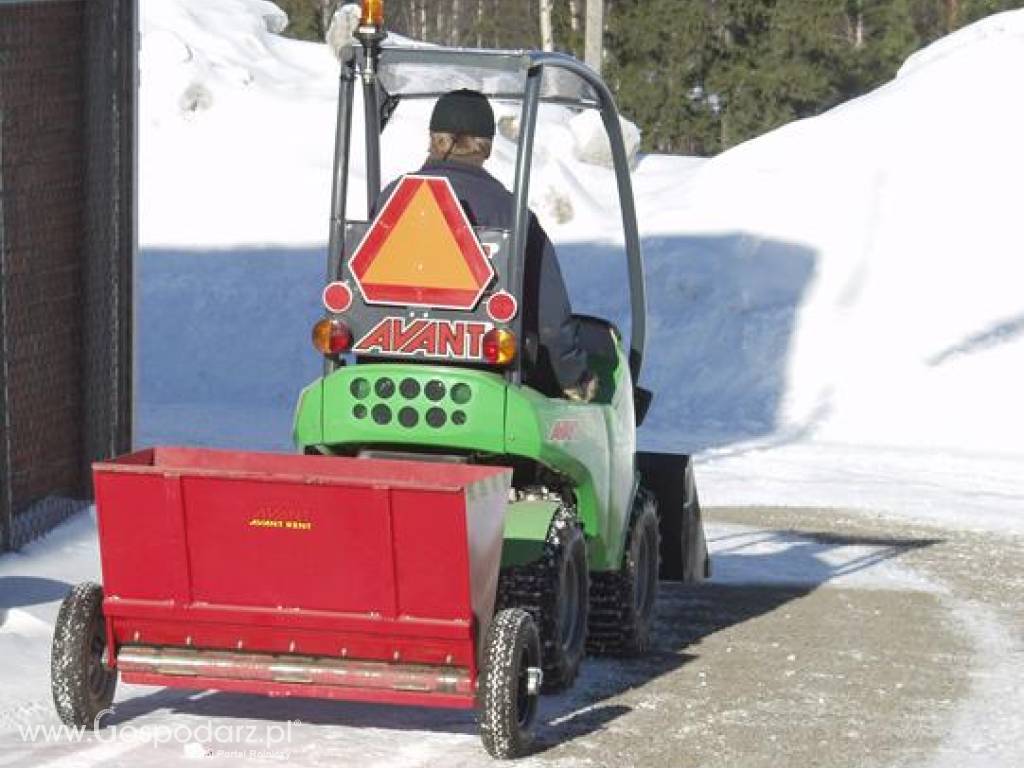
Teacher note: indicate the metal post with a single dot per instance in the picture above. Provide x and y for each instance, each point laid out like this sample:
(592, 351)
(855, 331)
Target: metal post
(109, 241)
(6, 499)
(339, 187)
(521, 196)
(371, 114)
(631, 232)
(634, 254)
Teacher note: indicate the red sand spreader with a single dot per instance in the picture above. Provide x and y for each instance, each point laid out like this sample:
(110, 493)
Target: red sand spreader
(299, 575)
(292, 575)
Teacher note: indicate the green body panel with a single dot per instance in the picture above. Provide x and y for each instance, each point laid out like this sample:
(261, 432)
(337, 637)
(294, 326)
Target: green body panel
(308, 422)
(593, 444)
(482, 416)
(526, 528)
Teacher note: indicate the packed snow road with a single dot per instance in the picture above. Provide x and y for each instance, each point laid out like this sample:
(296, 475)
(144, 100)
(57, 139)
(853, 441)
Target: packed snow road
(824, 639)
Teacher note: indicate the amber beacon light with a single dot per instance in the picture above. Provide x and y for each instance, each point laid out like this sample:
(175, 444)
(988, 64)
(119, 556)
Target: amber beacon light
(373, 14)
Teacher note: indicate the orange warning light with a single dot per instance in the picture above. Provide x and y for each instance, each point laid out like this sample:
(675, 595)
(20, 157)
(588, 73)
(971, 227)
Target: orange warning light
(373, 14)
(331, 337)
(499, 346)
(421, 250)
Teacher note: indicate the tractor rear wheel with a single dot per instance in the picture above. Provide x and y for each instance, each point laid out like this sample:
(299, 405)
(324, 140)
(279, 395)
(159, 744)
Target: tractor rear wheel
(555, 591)
(622, 602)
(83, 686)
(510, 684)
(564, 631)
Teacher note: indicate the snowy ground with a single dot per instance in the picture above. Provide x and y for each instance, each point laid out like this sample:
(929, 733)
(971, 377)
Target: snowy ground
(860, 643)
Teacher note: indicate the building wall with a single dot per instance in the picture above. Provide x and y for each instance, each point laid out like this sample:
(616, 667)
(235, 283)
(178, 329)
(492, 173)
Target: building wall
(66, 243)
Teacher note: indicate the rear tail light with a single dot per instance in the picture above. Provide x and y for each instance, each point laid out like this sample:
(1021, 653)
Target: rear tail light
(499, 346)
(331, 337)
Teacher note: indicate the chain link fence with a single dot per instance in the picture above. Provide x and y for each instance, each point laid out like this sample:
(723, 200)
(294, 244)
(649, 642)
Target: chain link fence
(67, 240)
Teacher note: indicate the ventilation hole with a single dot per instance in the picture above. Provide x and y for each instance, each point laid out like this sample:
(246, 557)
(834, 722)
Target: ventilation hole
(409, 388)
(461, 393)
(459, 418)
(360, 388)
(382, 414)
(436, 418)
(408, 417)
(384, 388)
(359, 411)
(434, 390)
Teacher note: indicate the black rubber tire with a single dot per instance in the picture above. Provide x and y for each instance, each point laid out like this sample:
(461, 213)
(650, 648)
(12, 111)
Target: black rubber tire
(507, 709)
(83, 686)
(564, 624)
(696, 562)
(622, 602)
(555, 591)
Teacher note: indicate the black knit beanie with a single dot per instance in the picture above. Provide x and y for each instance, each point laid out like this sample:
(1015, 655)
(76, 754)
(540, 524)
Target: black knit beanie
(463, 113)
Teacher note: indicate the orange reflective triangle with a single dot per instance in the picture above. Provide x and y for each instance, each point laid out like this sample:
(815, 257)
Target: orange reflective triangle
(421, 250)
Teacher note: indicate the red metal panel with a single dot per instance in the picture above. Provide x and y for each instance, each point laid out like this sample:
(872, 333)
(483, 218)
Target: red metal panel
(485, 525)
(157, 610)
(141, 539)
(431, 560)
(318, 547)
(272, 467)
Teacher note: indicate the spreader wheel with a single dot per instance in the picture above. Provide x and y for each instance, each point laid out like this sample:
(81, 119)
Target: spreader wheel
(622, 602)
(83, 686)
(510, 684)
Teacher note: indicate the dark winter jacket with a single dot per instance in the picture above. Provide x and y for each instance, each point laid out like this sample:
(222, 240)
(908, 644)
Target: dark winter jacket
(546, 311)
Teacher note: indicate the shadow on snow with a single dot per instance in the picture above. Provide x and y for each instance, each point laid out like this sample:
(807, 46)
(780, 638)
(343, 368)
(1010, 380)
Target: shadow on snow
(224, 345)
(686, 616)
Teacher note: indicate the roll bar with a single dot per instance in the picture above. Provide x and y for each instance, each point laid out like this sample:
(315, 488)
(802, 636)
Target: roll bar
(364, 62)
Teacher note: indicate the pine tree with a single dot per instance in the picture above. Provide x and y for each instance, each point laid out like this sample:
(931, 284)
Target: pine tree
(699, 76)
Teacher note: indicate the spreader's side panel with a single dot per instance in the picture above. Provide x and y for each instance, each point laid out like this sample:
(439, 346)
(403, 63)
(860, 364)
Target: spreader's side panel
(142, 537)
(431, 575)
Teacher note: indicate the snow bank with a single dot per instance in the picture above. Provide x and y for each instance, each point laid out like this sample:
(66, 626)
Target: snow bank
(233, 124)
(592, 145)
(237, 132)
(848, 280)
(911, 330)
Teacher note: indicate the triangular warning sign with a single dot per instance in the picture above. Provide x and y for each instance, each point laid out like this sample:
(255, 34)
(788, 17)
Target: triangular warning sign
(421, 250)
(403, 259)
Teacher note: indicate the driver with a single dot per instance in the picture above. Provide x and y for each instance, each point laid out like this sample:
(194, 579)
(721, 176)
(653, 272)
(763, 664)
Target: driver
(461, 134)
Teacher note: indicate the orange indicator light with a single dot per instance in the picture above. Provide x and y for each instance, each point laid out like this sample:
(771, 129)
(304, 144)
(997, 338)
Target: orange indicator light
(373, 14)
(331, 337)
(499, 346)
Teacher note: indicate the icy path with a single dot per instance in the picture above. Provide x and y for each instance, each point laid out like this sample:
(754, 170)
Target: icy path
(890, 644)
